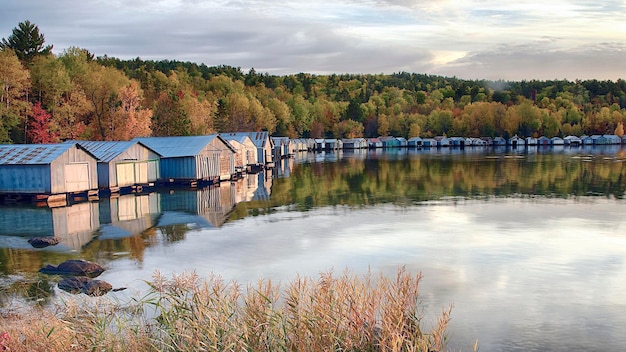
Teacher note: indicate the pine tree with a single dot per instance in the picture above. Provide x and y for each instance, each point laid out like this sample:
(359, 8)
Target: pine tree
(26, 41)
(220, 121)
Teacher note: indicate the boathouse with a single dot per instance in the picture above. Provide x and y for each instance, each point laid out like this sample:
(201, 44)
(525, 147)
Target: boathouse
(283, 147)
(499, 142)
(612, 139)
(531, 141)
(390, 142)
(543, 140)
(263, 143)
(192, 159)
(354, 143)
(47, 169)
(516, 141)
(123, 164)
(442, 141)
(429, 143)
(586, 140)
(557, 141)
(302, 144)
(415, 142)
(572, 141)
(245, 151)
(458, 142)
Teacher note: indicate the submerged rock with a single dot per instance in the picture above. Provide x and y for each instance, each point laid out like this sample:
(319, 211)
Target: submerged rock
(73, 284)
(74, 267)
(97, 288)
(85, 285)
(42, 242)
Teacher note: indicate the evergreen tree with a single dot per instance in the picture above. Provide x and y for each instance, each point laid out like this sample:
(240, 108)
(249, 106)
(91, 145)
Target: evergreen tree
(26, 41)
(220, 121)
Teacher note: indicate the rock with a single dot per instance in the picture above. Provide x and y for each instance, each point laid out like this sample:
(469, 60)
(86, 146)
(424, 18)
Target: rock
(85, 285)
(97, 288)
(42, 242)
(74, 267)
(73, 284)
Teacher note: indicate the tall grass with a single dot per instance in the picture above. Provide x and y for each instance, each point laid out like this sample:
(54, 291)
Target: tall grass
(184, 313)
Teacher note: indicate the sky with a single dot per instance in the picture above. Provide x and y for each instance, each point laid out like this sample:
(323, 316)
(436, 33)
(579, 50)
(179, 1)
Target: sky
(469, 39)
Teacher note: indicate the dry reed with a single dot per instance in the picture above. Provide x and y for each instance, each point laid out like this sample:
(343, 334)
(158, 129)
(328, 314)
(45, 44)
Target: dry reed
(185, 313)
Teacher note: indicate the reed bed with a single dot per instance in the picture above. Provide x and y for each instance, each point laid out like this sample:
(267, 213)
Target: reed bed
(184, 313)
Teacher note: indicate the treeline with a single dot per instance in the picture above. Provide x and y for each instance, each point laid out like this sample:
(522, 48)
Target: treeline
(74, 95)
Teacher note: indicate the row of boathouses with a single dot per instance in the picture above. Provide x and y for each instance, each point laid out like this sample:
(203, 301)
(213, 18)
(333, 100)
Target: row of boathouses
(443, 141)
(84, 169)
(75, 170)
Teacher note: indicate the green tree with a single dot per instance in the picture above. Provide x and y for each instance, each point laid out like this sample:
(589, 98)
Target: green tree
(50, 80)
(14, 88)
(169, 118)
(354, 111)
(26, 42)
(101, 86)
(220, 117)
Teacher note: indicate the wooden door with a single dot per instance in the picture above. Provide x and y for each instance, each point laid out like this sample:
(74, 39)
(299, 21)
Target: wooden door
(76, 177)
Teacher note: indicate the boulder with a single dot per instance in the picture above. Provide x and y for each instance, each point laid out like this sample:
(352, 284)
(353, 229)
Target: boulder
(73, 284)
(85, 285)
(97, 288)
(42, 242)
(74, 267)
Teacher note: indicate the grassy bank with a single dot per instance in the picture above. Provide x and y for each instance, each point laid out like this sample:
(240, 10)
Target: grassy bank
(184, 313)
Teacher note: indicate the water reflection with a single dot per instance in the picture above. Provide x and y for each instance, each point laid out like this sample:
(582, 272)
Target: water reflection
(528, 244)
(73, 226)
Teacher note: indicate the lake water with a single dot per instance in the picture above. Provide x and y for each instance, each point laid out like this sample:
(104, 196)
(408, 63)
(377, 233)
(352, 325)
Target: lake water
(527, 245)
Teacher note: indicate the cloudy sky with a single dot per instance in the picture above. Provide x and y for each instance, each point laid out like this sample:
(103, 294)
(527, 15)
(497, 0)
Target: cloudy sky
(472, 39)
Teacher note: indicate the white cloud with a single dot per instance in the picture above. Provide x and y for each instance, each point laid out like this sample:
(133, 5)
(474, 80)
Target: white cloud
(473, 39)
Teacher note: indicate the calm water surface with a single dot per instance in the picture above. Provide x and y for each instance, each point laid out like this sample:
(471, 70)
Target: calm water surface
(528, 246)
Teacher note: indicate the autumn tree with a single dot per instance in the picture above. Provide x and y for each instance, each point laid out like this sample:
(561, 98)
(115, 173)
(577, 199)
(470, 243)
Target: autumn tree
(133, 118)
(26, 42)
(14, 88)
(101, 86)
(200, 114)
(348, 129)
(69, 117)
(40, 132)
(238, 110)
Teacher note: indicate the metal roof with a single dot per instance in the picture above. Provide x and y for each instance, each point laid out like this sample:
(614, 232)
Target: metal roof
(238, 138)
(258, 138)
(176, 147)
(106, 151)
(32, 154)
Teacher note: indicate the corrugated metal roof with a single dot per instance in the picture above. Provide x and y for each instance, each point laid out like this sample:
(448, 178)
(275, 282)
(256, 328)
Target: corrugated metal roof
(31, 154)
(258, 138)
(106, 151)
(238, 138)
(175, 147)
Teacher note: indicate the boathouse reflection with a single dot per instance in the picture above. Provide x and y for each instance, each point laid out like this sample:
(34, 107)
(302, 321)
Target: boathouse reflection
(175, 210)
(73, 226)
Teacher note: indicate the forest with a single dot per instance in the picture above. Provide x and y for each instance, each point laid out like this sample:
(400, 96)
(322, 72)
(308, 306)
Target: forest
(47, 98)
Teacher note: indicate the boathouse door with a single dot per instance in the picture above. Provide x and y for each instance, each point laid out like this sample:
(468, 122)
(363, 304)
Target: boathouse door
(125, 174)
(76, 177)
